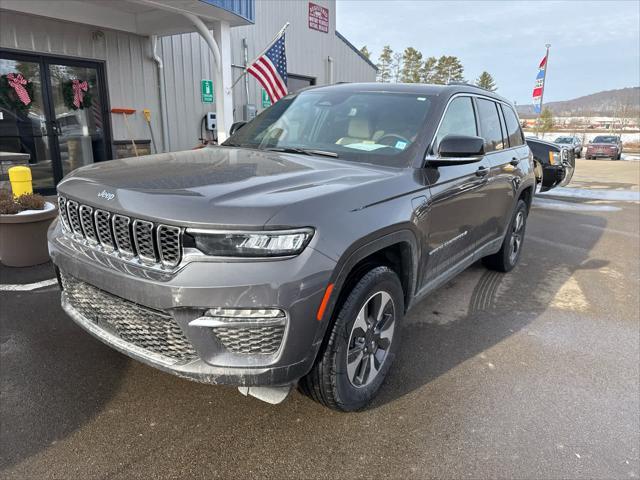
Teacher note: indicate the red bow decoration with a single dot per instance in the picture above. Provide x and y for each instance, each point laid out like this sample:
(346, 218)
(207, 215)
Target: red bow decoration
(78, 88)
(17, 82)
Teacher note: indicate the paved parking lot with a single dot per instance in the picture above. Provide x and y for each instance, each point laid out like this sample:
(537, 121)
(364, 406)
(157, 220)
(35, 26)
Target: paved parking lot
(533, 374)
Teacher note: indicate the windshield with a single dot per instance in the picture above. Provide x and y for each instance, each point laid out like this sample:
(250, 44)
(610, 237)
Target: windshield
(605, 139)
(371, 127)
(564, 140)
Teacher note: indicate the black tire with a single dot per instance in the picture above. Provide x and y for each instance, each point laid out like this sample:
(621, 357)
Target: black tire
(328, 381)
(506, 258)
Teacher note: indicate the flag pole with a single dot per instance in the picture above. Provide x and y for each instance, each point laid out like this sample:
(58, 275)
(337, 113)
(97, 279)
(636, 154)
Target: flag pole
(544, 78)
(544, 84)
(269, 45)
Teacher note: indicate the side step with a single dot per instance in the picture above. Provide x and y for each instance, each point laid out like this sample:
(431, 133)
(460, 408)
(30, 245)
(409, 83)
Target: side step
(272, 395)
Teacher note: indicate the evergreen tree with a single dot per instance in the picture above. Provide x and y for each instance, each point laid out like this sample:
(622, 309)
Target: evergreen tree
(486, 81)
(448, 69)
(428, 70)
(365, 51)
(546, 120)
(396, 66)
(411, 65)
(385, 61)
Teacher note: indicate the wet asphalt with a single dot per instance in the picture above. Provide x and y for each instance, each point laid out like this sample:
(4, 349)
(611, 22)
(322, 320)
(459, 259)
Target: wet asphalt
(532, 374)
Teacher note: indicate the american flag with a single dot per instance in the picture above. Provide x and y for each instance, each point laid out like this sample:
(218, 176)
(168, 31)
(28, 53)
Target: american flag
(270, 70)
(539, 85)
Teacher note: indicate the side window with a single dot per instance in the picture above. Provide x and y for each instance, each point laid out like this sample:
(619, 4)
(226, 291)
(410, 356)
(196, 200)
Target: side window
(513, 127)
(459, 119)
(490, 125)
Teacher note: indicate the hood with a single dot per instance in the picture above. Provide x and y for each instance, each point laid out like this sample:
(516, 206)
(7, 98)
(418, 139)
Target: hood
(219, 186)
(602, 144)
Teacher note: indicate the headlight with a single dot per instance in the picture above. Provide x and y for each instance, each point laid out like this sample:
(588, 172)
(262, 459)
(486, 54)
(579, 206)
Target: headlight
(277, 243)
(554, 158)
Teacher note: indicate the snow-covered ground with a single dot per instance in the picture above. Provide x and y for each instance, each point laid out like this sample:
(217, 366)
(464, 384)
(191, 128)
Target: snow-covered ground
(594, 194)
(551, 136)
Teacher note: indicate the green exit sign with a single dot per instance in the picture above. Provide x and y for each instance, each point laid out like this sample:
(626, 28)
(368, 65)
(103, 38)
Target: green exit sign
(206, 89)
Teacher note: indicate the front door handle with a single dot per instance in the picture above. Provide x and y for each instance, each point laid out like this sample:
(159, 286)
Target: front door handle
(482, 171)
(515, 161)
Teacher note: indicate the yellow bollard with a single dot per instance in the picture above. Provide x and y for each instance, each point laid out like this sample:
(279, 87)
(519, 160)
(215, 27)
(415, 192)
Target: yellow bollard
(20, 178)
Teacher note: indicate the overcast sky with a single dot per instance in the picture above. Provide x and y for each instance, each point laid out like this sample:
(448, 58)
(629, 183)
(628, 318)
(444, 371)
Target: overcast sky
(594, 45)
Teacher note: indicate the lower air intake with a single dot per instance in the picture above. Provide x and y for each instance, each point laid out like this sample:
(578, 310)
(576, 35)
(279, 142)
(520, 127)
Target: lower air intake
(144, 327)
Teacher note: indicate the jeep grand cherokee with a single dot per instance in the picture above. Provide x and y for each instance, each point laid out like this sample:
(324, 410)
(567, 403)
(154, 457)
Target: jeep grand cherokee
(290, 254)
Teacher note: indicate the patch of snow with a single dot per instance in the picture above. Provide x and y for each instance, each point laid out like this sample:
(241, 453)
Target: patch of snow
(611, 195)
(571, 207)
(47, 206)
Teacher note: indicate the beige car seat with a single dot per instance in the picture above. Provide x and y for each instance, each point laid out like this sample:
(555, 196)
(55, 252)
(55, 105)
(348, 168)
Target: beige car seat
(359, 131)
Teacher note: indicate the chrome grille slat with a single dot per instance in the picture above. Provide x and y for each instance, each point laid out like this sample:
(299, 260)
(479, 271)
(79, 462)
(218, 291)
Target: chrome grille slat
(86, 220)
(122, 234)
(103, 227)
(169, 245)
(64, 216)
(143, 238)
(133, 240)
(74, 218)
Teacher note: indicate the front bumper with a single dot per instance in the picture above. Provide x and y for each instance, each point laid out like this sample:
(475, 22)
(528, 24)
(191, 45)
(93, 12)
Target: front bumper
(602, 153)
(295, 285)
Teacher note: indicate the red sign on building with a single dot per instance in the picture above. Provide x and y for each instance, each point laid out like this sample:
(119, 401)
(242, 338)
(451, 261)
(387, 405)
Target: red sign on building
(318, 18)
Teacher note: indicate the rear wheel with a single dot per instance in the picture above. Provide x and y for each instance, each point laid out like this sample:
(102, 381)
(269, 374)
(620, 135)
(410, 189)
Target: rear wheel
(509, 254)
(361, 345)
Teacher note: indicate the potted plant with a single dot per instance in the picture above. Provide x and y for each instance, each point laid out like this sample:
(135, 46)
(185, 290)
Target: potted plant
(24, 222)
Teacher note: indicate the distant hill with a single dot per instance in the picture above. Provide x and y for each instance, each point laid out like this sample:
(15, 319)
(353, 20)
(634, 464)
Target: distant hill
(604, 104)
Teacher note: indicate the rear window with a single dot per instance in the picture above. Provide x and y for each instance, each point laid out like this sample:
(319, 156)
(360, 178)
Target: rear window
(490, 125)
(514, 133)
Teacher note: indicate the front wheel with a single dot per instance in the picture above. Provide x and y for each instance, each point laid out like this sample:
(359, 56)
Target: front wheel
(361, 345)
(509, 254)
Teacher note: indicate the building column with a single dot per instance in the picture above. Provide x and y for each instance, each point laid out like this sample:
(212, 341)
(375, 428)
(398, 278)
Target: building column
(222, 35)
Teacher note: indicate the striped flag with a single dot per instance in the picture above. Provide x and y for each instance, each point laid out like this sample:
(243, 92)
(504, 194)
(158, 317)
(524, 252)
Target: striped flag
(270, 69)
(538, 88)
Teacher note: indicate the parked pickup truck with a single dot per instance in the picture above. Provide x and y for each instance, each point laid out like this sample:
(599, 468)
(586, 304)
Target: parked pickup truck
(554, 164)
(290, 254)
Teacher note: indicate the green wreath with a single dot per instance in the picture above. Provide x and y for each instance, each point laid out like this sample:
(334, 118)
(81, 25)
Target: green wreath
(68, 96)
(9, 97)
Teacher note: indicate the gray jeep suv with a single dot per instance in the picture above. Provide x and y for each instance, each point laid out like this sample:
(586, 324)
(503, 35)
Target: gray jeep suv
(289, 254)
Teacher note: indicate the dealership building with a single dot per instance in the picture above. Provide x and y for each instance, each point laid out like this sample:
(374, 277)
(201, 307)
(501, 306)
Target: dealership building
(86, 81)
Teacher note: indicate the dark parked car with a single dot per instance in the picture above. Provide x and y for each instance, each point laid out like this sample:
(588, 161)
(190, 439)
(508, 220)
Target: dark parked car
(571, 142)
(291, 253)
(553, 164)
(609, 146)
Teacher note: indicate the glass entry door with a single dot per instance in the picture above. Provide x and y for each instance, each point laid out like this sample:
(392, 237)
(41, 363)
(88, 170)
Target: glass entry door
(62, 122)
(23, 127)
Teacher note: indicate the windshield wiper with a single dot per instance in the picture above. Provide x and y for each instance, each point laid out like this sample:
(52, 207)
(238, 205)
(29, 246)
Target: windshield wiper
(303, 151)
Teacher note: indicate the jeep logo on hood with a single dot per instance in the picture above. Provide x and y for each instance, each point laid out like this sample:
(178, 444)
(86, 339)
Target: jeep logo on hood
(106, 195)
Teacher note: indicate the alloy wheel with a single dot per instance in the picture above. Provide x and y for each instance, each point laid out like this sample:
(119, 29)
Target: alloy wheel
(370, 339)
(516, 236)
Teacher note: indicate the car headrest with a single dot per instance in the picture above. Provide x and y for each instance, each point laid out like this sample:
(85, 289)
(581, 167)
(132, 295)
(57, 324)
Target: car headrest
(359, 128)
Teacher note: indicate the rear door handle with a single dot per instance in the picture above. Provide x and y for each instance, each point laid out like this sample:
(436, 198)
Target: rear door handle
(482, 171)
(515, 161)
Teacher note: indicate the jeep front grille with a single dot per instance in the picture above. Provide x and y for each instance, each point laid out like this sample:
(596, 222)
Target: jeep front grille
(152, 330)
(132, 239)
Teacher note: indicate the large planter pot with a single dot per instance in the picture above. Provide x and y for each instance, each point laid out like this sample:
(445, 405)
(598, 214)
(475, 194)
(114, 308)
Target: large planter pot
(23, 237)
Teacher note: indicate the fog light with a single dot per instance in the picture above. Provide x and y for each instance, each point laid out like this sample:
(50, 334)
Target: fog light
(241, 317)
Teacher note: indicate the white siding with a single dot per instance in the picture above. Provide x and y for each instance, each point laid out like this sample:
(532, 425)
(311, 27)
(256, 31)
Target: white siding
(131, 74)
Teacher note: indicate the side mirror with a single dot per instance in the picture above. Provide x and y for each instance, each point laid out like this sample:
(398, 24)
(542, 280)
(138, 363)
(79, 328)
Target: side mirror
(458, 150)
(236, 126)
